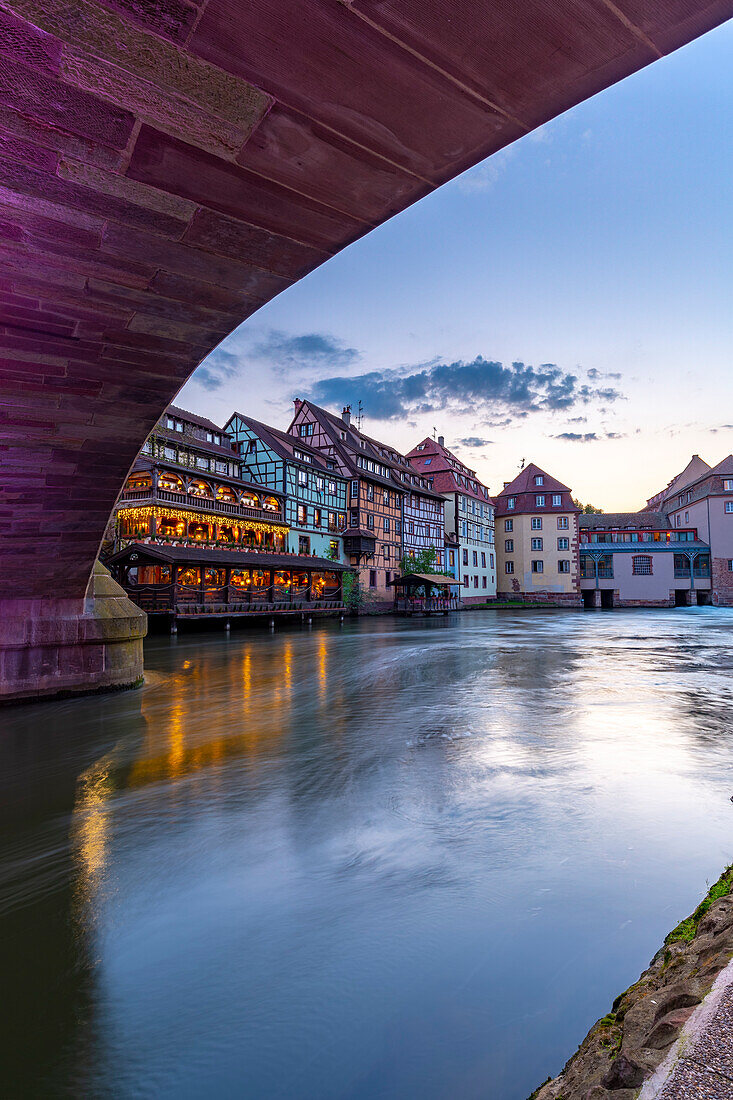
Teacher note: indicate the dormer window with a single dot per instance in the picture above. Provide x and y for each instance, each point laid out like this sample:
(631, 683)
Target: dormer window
(539, 480)
(511, 502)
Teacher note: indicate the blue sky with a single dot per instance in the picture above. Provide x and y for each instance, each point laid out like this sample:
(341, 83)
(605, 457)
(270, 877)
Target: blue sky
(567, 302)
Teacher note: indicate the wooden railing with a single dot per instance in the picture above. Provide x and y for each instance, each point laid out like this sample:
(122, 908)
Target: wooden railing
(226, 599)
(419, 605)
(192, 500)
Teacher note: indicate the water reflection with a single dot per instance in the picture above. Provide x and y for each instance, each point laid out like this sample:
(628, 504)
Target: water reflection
(384, 859)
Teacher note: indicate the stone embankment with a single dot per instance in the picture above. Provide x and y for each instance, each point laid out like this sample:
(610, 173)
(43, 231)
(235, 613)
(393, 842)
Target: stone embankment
(622, 1050)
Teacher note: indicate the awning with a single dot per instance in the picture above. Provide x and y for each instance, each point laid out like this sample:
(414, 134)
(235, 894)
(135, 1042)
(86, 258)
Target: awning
(412, 580)
(238, 559)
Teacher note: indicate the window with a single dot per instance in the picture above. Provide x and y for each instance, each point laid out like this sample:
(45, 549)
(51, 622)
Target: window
(562, 523)
(465, 557)
(687, 517)
(537, 544)
(483, 582)
(538, 566)
(302, 513)
(510, 502)
(316, 517)
(475, 557)
(727, 486)
(354, 517)
(302, 477)
(451, 557)
(179, 426)
(465, 580)
(304, 430)
(483, 560)
(372, 578)
(730, 565)
(539, 480)
(509, 525)
(385, 552)
(536, 523)
(557, 500)
(563, 544)
(332, 525)
(319, 484)
(386, 525)
(398, 526)
(333, 550)
(475, 581)
(508, 566)
(539, 501)
(332, 488)
(370, 491)
(370, 521)
(563, 566)
(641, 565)
(304, 544)
(427, 461)
(729, 505)
(385, 497)
(354, 490)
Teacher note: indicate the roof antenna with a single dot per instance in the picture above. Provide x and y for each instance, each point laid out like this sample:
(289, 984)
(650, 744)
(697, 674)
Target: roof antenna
(435, 433)
(359, 415)
(523, 462)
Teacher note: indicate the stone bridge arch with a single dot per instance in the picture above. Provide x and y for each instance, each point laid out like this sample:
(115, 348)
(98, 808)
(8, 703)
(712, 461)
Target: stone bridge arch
(167, 166)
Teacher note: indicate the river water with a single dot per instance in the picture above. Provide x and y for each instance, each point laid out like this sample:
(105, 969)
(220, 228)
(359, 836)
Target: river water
(388, 859)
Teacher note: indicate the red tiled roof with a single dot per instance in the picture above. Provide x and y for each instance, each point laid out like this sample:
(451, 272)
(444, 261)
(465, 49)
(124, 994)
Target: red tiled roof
(524, 483)
(442, 469)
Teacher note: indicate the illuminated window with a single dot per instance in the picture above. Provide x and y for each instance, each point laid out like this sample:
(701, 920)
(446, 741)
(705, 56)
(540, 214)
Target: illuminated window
(271, 504)
(189, 576)
(562, 523)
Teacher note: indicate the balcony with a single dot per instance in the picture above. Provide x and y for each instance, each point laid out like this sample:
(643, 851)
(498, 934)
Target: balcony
(154, 495)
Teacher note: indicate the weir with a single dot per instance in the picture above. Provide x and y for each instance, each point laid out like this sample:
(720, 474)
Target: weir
(167, 168)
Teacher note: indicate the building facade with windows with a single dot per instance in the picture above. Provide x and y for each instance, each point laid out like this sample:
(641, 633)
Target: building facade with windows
(186, 488)
(315, 493)
(374, 526)
(701, 497)
(469, 550)
(537, 540)
(637, 559)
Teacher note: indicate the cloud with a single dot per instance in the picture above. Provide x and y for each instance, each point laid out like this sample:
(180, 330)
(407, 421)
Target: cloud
(313, 349)
(482, 177)
(587, 437)
(594, 374)
(479, 387)
(216, 369)
(473, 441)
(722, 428)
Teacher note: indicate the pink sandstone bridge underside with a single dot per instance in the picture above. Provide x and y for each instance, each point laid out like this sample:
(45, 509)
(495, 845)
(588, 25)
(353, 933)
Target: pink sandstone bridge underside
(170, 165)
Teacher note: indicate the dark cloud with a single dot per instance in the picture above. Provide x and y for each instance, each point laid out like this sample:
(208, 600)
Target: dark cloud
(587, 437)
(313, 349)
(479, 386)
(722, 428)
(473, 441)
(594, 374)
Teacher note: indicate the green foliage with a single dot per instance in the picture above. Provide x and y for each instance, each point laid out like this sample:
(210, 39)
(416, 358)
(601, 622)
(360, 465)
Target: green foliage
(353, 592)
(422, 562)
(587, 509)
(333, 553)
(686, 930)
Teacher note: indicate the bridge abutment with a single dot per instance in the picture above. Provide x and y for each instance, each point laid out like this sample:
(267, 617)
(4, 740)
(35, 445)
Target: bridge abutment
(53, 647)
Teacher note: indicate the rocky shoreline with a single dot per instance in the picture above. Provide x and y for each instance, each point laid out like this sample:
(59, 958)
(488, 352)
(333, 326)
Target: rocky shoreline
(627, 1045)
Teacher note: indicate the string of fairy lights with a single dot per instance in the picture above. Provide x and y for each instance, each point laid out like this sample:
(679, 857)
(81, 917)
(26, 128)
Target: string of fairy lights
(137, 514)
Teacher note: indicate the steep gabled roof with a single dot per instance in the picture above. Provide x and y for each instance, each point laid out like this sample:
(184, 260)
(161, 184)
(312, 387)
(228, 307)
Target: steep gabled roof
(524, 483)
(695, 469)
(434, 460)
(282, 444)
(192, 418)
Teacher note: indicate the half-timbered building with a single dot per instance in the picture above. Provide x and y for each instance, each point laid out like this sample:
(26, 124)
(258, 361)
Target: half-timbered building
(469, 554)
(315, 492)
(186, 487)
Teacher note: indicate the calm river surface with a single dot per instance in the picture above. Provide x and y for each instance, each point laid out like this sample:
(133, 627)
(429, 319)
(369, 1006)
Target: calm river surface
(391, 859)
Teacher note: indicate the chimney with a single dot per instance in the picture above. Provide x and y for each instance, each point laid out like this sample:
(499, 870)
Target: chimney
(441, 441)
(297, 402)
(346, 414)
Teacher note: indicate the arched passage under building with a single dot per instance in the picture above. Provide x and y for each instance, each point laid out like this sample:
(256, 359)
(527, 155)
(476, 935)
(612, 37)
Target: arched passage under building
(167, 167)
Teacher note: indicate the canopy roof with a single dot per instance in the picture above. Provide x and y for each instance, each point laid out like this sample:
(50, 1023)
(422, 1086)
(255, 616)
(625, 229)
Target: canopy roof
(412, 580)
(243, 559)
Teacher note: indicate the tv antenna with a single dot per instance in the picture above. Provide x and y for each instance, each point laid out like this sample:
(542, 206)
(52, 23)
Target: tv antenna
(359, 415)
(523, 462)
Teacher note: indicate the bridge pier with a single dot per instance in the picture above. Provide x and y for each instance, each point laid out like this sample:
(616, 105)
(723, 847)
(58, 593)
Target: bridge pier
(52, 647)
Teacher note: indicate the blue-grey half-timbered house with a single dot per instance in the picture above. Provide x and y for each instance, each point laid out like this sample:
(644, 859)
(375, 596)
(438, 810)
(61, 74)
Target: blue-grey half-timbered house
(315, 494)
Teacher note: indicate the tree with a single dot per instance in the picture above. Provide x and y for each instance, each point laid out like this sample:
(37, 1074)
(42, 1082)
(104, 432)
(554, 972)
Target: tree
(588, 509)
(422, 562)
(354, 597)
